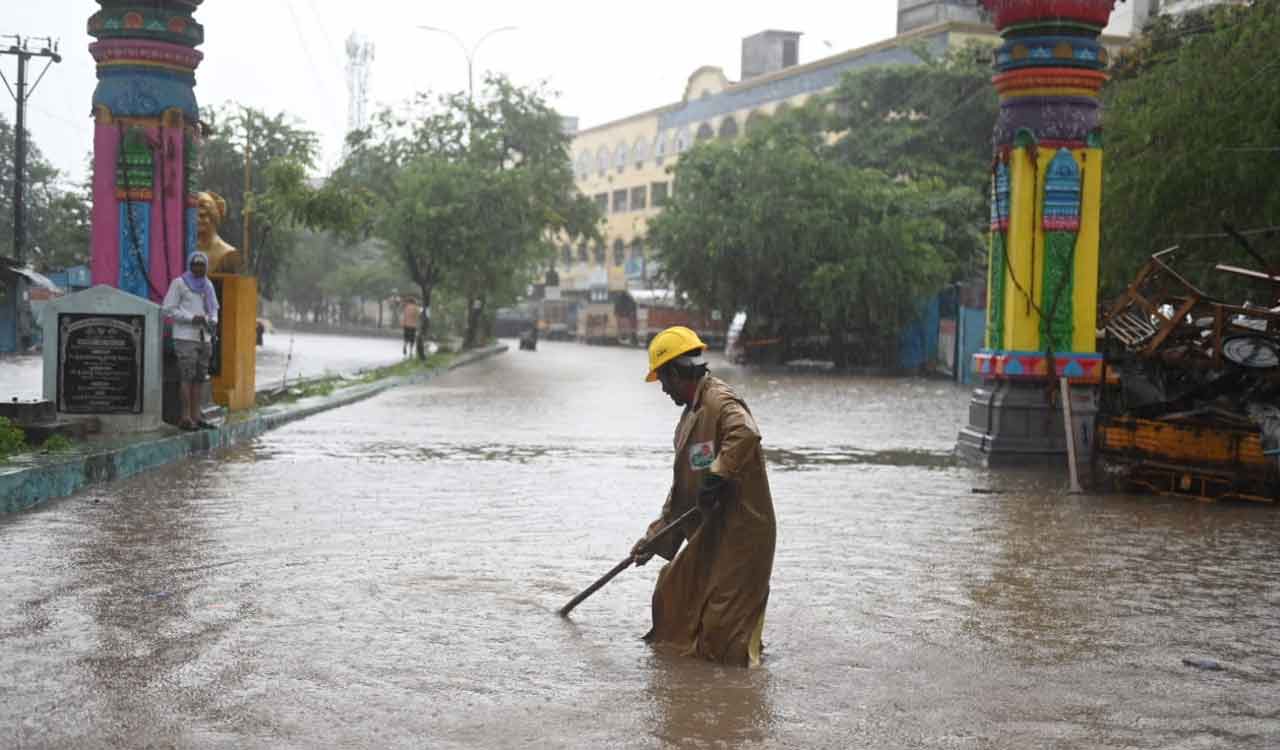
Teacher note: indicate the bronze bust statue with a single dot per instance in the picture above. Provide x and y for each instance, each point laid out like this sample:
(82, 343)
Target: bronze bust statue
(211, 209)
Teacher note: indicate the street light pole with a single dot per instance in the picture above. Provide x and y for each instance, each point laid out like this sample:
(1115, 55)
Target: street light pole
(469, 52)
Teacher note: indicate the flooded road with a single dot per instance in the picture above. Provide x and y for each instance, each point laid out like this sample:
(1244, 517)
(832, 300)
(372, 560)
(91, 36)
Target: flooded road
(387, 575)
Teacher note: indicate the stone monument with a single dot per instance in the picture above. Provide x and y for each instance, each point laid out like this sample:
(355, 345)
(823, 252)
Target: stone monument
(103, 359)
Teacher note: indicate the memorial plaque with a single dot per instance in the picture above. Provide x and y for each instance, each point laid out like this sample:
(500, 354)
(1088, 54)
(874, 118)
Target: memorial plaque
(100, 363)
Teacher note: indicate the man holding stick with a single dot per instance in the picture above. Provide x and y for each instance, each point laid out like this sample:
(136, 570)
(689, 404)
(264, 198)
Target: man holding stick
(709, 601)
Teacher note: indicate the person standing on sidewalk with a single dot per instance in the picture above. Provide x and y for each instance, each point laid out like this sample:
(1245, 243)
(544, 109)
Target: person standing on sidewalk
(709, 601)
(409, 321)
(193, 306)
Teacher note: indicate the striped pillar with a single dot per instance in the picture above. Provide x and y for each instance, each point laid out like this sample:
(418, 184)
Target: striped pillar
(1046, 187)
(146, 128)
(1046, 196)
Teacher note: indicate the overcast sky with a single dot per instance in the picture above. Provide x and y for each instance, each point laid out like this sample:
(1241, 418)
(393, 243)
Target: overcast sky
(605, 60)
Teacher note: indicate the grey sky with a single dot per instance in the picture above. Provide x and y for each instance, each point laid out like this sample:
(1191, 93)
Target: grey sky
(607, 61)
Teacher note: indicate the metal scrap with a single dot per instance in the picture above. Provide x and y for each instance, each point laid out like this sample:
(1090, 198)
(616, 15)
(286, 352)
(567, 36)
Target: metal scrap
(1193, 407)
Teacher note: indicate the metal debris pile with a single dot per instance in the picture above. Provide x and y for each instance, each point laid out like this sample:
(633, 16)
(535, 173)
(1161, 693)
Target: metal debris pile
(1194, 405)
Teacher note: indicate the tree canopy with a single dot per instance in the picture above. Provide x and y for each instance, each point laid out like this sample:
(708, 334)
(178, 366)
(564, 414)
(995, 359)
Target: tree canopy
(467, 192)
(281, 198)
(1192, 140)
(838, 220)
(57, 212)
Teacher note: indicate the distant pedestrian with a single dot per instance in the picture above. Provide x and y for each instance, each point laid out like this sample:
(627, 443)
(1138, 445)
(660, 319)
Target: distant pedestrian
(409, 320)
(192, 304)
(709, 601)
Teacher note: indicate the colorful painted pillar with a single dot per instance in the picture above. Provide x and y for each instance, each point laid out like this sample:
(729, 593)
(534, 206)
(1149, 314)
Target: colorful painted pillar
(146, 131)
(1046, 196)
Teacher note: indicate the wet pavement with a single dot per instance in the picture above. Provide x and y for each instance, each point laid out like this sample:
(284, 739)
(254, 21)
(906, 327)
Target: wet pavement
(387, 575)
(283, 353)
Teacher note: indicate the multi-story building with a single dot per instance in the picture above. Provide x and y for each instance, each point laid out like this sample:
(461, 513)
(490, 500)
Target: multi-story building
(626, 165)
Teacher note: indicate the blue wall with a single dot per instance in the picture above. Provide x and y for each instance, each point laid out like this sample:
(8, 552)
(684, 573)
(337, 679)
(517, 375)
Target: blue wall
(918, 342)
(973, 331)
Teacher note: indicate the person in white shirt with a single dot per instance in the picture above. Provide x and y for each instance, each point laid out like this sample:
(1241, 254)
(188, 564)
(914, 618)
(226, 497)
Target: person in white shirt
(192, 304)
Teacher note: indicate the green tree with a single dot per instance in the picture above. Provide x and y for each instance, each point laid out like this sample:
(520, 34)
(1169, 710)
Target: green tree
(839, 218)
(281, 199)
(1193, 128)
(57, 215)
(468, 191)
(807, 246)
(929, 122)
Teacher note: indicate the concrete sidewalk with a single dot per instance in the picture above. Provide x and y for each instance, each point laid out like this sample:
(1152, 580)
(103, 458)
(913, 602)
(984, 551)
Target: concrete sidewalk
(31, 479)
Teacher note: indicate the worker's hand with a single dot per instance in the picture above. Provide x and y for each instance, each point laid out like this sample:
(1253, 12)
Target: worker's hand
(709, 494)
(641, 552)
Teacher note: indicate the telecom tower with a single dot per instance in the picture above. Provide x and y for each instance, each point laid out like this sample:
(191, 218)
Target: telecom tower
(359, 62)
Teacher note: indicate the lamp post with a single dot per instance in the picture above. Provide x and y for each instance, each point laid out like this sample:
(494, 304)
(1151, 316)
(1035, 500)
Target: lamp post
(469, 52)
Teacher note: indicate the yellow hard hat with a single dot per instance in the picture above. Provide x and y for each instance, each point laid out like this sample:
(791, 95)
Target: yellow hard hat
(673, 342)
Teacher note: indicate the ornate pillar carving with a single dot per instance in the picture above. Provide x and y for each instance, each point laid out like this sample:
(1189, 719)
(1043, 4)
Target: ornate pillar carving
(146, 131)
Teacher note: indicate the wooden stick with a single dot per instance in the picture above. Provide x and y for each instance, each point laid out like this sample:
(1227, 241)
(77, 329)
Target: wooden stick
(628, 562)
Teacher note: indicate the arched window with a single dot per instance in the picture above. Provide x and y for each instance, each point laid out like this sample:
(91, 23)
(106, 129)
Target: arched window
(755, 120)
(567, 254)
(640, 152)
(602, 160)
(683, 141)
(705, 132)
(582, 253)
(619, 252)
(660, 147)
(637, 248)
(620, 155)
(599, 253)
(584, 164)
(782, 108)
(728, 129)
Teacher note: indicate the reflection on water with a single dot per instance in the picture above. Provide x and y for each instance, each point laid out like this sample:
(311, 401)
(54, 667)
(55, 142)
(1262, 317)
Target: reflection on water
(387, 575)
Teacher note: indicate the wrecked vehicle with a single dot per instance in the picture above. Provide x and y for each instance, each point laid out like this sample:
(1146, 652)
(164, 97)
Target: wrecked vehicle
(1191, 405)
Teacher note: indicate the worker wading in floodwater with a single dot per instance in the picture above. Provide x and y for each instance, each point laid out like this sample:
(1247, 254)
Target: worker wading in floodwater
(710, 600)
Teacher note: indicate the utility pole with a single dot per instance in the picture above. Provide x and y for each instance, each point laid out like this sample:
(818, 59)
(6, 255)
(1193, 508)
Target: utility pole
(247, 210)
(21, 49)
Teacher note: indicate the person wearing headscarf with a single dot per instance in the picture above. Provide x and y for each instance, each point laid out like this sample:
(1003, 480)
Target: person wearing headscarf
(193, 306)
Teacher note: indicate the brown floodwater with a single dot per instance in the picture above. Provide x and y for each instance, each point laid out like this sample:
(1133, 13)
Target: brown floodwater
(388, 575)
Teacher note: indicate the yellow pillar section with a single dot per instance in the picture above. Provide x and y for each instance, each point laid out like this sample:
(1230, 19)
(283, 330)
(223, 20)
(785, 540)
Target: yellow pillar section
(1085, 300)
(1025, 246)
(235, 386)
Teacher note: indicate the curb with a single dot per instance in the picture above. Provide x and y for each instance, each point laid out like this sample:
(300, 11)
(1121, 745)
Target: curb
(50, 478)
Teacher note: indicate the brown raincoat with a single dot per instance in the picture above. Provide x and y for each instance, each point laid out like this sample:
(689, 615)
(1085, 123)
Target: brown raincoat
(710, 599)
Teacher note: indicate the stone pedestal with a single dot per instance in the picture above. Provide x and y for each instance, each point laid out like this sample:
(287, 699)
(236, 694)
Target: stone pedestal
(235, 384)
(102, 358)
(1019, 423)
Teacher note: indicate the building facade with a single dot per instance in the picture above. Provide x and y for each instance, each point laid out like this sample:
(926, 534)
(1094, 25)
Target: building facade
(626, 165)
